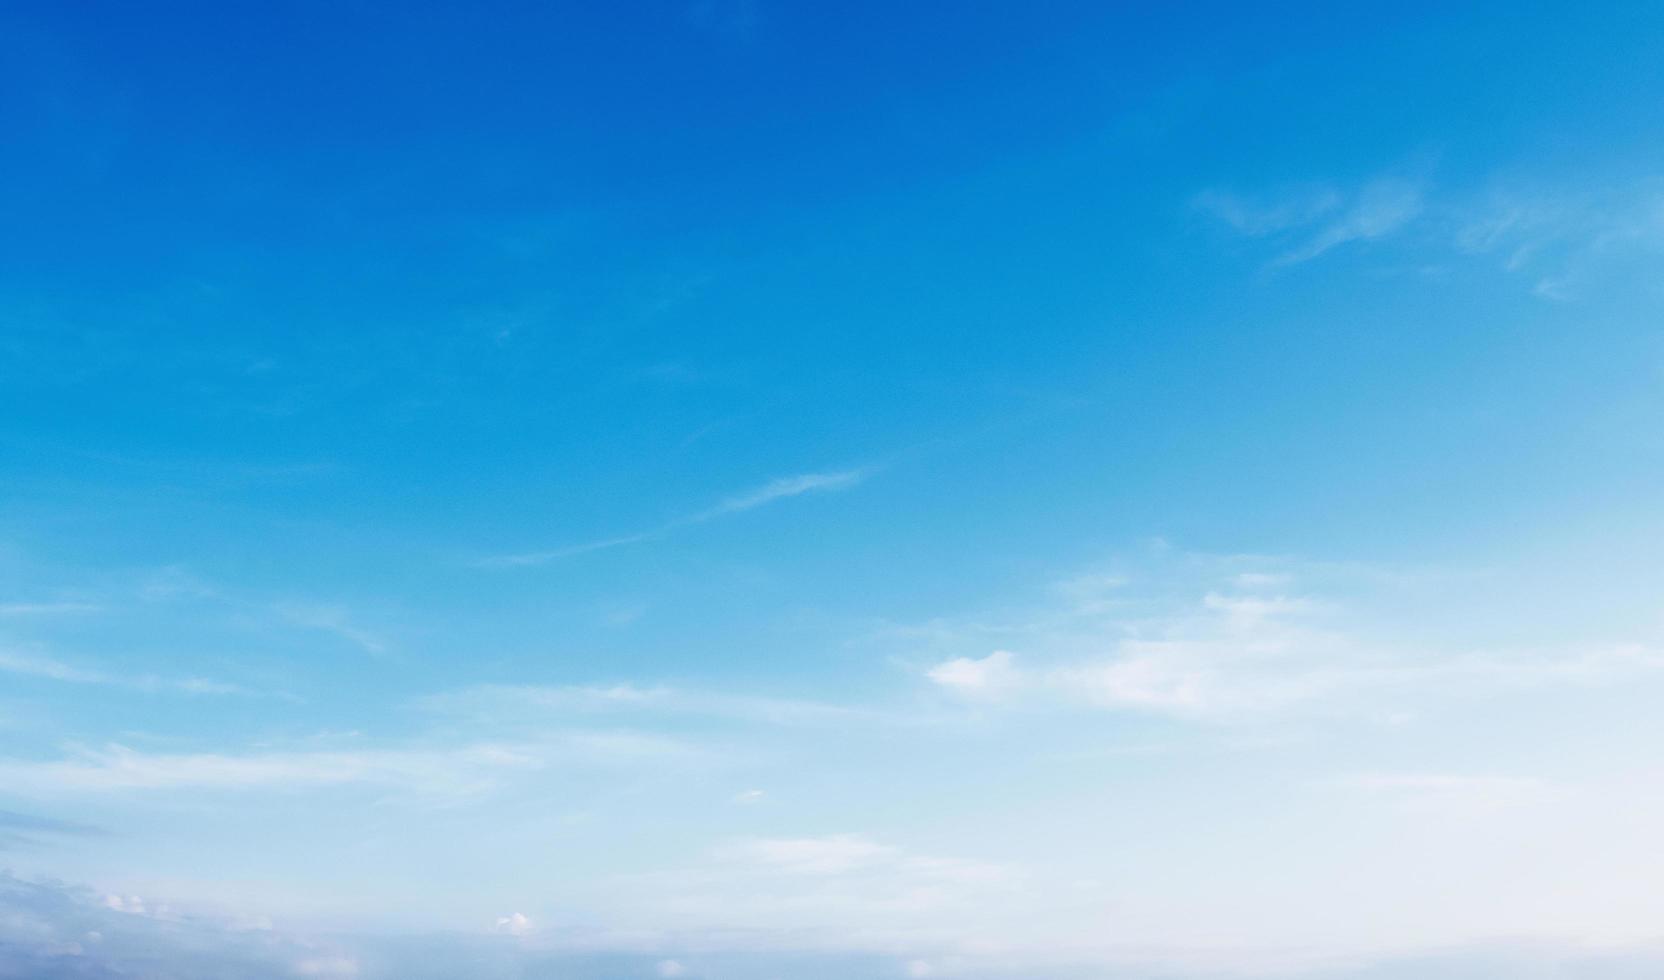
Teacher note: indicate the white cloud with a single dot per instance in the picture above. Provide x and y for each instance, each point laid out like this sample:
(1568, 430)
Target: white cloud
(990, 677)
(1251, 610)
(1155, 680)
(749, 797)
(1217, 640)
(670, 968)
(1224, 654)
(134, 905)
(513, 924)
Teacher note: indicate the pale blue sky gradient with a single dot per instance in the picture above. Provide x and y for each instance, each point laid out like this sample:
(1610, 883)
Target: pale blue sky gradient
(753, 490)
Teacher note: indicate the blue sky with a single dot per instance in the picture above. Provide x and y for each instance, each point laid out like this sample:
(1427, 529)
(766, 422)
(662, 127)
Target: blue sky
(744, 489)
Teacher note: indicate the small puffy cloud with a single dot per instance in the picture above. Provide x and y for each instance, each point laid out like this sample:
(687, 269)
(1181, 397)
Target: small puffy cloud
(671, 968)
(513, 924)
(920, 968)
(990, 677)
(748, 797)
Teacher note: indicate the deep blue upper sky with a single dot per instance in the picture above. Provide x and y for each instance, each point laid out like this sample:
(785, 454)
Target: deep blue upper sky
(648, 457)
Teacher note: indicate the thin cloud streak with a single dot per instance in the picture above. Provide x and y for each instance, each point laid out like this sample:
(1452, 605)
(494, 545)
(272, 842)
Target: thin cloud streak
(508, 703)
(463, 770)
(9, 609)
(1382, 208)
(1565, 239)
(43, 667)
(782, 488)
(334, 620)
(555, 554)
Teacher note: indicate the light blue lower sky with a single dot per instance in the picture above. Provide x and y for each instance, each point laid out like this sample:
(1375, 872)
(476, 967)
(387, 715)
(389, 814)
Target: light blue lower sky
(741, 490)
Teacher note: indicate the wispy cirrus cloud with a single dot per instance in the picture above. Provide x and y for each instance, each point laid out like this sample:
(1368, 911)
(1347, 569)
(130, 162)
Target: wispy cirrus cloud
(1309, 221)
(1269, 213)
(1561, 238)
(1379, 209)
(457, 770)
(332, 619)
(117, 768)
(27, 665)
(33, 666)
(783, 488)
(541, 704)
(17, 609)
